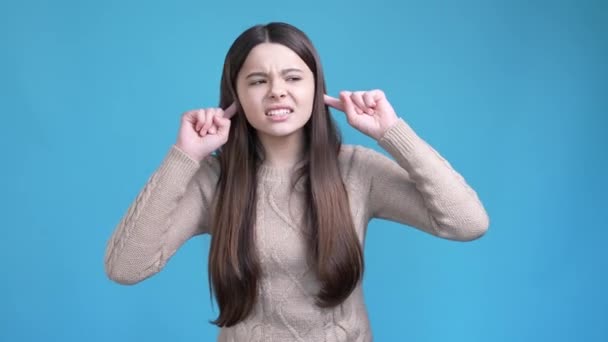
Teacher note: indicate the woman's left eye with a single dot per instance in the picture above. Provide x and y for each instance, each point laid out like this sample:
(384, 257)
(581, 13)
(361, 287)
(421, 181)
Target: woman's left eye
(293, 78)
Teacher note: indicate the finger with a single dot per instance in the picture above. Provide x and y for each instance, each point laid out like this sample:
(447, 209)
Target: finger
(210, 113)
(349, 106)
(358, 100)
(377, 95)
(189, 116)
(222, 124)
(230, 111)
(200, 120)
(212, 129)
(368, 98)
(333, 102)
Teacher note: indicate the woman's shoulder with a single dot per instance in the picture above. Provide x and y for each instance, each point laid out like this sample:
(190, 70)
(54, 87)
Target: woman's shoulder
(357, 154)
(358, 160)
(208, 172)
(211, 162)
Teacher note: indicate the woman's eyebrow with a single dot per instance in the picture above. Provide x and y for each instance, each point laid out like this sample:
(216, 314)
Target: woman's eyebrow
(283, 72)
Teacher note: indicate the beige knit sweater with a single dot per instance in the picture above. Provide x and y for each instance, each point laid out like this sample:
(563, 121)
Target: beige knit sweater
(420, 189)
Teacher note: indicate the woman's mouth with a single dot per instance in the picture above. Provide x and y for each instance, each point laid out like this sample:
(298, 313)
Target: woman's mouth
(279, 112)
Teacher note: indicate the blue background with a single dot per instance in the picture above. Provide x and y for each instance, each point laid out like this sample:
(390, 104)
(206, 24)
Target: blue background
(512, 93)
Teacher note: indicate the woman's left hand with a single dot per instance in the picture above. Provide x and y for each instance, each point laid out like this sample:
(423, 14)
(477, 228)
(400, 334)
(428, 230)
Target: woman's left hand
(368, 111)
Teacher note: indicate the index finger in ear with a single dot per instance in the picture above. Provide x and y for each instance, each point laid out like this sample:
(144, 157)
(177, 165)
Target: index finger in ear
(333, 102)
(230, 111)
(349, 106)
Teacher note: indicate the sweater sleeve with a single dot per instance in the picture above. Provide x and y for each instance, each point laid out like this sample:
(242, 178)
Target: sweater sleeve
(421, 189)
(173, 206)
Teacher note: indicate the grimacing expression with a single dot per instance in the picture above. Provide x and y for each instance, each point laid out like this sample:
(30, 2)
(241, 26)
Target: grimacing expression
(276, 90)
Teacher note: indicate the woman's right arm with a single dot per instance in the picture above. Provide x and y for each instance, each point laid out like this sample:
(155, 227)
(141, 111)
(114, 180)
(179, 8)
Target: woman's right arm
(173, 206)
(175, 203)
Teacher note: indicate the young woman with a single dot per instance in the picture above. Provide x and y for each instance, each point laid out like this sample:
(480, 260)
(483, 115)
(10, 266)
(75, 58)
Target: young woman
(286, 204)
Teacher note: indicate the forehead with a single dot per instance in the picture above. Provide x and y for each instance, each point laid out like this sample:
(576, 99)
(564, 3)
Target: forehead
(272, 57)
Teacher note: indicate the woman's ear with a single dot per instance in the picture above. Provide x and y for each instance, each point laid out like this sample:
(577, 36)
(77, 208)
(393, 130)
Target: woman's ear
(234, 93)
(238, 105)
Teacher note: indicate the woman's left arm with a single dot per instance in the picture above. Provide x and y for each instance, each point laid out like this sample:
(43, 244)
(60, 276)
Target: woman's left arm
(419, 188)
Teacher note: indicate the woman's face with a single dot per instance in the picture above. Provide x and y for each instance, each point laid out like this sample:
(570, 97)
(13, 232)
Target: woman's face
(276, 90)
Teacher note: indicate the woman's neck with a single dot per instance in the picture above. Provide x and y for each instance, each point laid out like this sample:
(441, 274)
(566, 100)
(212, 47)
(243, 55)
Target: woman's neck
(283, 152)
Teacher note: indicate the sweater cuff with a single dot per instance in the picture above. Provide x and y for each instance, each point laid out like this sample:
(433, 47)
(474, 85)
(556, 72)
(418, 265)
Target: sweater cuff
(399, 139)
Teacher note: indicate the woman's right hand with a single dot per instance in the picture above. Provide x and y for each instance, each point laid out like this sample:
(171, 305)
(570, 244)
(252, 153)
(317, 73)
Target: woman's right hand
(203, 131)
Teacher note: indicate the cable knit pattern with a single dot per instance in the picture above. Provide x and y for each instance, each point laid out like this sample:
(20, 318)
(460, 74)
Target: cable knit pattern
(419, 188)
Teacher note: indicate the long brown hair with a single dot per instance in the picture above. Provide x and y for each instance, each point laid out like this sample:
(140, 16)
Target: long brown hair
(334, 248)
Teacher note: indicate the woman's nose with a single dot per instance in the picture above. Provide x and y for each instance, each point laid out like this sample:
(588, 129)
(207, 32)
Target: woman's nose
(277, 91)
(277, 95)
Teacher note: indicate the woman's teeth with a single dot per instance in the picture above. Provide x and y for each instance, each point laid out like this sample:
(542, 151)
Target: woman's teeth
(278, 112)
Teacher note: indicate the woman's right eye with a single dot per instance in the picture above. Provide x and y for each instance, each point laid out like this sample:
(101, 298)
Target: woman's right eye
(256, 82)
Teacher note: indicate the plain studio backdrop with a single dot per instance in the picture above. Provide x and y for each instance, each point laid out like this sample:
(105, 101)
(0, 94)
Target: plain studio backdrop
(512, 93)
